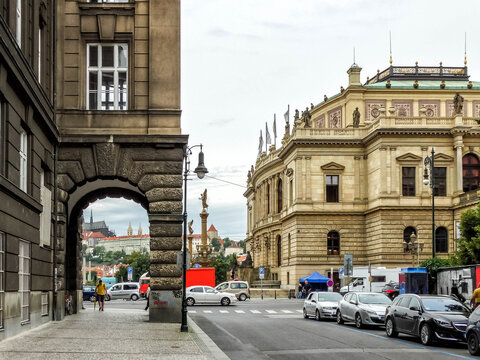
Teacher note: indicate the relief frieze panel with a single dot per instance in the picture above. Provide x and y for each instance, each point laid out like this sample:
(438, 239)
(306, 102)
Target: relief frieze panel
(476, 108)
(335, 118)
(372, 109)
(432, 107)
(403, 108)
(319, 122)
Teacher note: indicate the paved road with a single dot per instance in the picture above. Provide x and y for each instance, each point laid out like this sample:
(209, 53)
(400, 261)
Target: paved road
(118, 305)
(275, 329)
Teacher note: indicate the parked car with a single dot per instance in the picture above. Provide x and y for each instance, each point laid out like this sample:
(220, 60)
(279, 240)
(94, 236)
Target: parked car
(429, 317)
(239, 288)
(391, 289)
(322, 305)
(208, 295)
(473, 332)
(363, 308)
(88, 293)
(128, 291)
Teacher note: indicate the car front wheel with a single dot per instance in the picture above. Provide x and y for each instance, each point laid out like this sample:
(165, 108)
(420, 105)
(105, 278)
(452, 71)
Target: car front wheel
(190, 301)
(242, 297)
(339, 318)
(426, 335)
(225, 301)
(134, 297)
(358, 321)
(472, 342)
(317, 316)
(305, 315)
(390, 328)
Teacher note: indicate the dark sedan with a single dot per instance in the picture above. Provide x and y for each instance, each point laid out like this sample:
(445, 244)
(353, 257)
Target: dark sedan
(431, 318)
(473, 332)
(88, 293)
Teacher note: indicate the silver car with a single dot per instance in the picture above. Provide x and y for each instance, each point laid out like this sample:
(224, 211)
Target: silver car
(127, 291)
(322, 305)
(363, 308)
(208, 295)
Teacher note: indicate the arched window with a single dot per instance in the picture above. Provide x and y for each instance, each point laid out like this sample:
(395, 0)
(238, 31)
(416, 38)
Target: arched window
(408, 232)
(279, 250)
(333, 243)
(441, 240)
(268, 199)
(279, 196)
(471, 172)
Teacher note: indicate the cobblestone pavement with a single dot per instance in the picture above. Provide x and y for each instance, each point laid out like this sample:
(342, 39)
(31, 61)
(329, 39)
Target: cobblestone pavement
(111, 334)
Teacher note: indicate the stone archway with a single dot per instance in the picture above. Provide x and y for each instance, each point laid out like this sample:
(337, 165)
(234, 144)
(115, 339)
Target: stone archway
(145, 168)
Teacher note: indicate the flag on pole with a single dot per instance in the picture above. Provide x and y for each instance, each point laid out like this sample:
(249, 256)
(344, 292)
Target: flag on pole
(287, 115)
(268, 140)
(275, 127)
(260, 144)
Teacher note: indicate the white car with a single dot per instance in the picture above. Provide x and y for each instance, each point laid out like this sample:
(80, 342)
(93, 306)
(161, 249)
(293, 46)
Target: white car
(208, 295)
(322, 305)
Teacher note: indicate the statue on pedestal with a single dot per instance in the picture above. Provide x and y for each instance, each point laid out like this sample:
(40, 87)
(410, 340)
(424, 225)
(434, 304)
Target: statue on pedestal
(458, 103)
(203, 197)
(356, 118)
(190, 229)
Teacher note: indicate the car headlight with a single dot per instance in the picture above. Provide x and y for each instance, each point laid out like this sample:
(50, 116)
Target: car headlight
(443, 323)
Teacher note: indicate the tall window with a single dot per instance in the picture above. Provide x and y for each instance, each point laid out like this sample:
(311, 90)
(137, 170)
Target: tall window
(471, 172)
(24, 279)
(440, 181)
(279, 250)
(44, 304)
(441, 240)
(268, 199)
(289, 247)
(408, 181)
(279, 196)
(18, 23)
(46, 215)
(2, 276)
(407, 233)
(23, 160)
(107, 76)
(332, 188)
(290, 192)
(333, 243)
(39, 55)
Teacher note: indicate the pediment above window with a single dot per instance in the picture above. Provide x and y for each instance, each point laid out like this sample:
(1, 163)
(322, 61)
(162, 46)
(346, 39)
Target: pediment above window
(443, 158)
(409, 157)
(332, 166)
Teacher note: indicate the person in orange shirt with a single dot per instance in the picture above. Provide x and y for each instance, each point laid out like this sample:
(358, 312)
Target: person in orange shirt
(475, 300)
(100, 291)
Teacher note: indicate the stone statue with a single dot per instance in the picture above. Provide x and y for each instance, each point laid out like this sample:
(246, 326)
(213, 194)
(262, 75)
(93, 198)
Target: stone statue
(311, 106)
(248, 261)
(190, 229)
(307, 117)
(356, 117)
(297, 115)
(458, 103)
(249, 176)
(203, 197)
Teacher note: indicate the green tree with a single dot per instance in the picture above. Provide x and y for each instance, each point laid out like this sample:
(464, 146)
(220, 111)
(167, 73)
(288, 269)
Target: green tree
(122, 274)
(243, 244)
(84, 249)
(140, 262)
(221, 268)
(226, 242)
(98, 254)
(93, 278)
(216, 245)
(469, 242)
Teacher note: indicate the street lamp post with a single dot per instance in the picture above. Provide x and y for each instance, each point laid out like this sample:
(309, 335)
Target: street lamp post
(200, 170)
(430, 161)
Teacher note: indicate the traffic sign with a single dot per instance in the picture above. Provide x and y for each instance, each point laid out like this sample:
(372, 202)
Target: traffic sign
(130, 273)
(261, 272)
(196, 266)
(340, 273)
(330, 283)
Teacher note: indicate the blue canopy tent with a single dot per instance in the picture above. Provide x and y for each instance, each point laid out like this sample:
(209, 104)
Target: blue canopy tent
(318, 281)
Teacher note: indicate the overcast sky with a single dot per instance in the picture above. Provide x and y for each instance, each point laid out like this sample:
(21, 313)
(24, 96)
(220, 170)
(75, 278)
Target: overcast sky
(244, 60)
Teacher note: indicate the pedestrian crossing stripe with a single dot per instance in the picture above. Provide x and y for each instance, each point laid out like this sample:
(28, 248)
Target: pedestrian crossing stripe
(207, 311)
(224, 311)
(240, 311)
(287, 311)
(300, 311)
(255, 312)
(271, 311)
(192, 311)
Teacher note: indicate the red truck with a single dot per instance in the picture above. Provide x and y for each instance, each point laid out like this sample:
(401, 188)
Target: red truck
(201, 276)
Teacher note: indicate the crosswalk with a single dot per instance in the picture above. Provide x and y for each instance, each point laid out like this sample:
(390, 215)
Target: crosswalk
(254, 311)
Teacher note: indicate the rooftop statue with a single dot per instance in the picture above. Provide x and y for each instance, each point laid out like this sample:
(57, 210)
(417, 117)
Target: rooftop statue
(190, 229)
(307, 117)
(458, 103)
(249, 176)
(356, 118)
(203, 197)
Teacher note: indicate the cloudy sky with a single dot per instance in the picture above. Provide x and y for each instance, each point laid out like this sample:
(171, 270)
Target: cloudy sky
(244, 60)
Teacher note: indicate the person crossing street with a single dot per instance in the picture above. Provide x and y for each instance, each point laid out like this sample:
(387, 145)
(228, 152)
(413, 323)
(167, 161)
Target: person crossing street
(100, 291)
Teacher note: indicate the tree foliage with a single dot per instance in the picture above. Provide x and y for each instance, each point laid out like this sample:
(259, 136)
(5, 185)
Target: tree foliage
(140, 262)
(221, 267)
(226, 242)
(243, 244)
(122, 274)
(469, 242)
(216, 245)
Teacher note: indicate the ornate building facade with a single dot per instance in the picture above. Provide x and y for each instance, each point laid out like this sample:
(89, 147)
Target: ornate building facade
(348, 177)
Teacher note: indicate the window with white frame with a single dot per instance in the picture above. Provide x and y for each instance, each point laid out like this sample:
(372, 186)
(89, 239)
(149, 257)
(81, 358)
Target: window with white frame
(18, 23)
(2, 276)
(44, 303)
(46, 214)
(23, 160)
(107, 70)
(24, 279)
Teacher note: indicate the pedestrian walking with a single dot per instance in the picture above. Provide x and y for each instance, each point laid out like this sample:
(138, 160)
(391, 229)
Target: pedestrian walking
(455, 293)
(100, 291)
(307, 289)
(300, 288)
(475, 300)
(147, 295)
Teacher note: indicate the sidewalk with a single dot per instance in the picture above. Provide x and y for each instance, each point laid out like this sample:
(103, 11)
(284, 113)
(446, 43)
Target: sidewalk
(111, 334)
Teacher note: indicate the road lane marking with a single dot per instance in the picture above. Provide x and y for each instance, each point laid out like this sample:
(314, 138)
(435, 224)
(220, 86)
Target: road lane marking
(287, 311)
(223, 311)
(300, 311)
(207, 311)
(271, 311)
(345, 350)
(192, 311)
(240, 311)
(255, 312)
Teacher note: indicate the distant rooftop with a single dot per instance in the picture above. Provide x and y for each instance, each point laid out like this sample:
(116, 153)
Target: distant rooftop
(445, 73)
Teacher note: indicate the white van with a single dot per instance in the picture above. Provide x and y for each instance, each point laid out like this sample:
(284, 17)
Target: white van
(128, 291)
(360, 281)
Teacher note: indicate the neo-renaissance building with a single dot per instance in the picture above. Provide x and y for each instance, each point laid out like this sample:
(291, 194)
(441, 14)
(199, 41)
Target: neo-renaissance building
(348, 177)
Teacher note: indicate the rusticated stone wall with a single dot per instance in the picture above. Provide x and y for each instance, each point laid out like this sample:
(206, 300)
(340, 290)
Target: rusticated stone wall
(149, 168)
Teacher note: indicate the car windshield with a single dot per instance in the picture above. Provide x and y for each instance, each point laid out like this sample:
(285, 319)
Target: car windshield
(444, 305)
(374, 299)
(329, 297)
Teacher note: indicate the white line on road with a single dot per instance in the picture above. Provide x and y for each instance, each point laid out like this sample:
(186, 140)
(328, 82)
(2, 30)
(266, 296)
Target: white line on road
(240, 311)
(300, 311)
(255, 312)
(223, 311)
(192, 311)
(287, 311)
(207, 311)
(271, 311)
